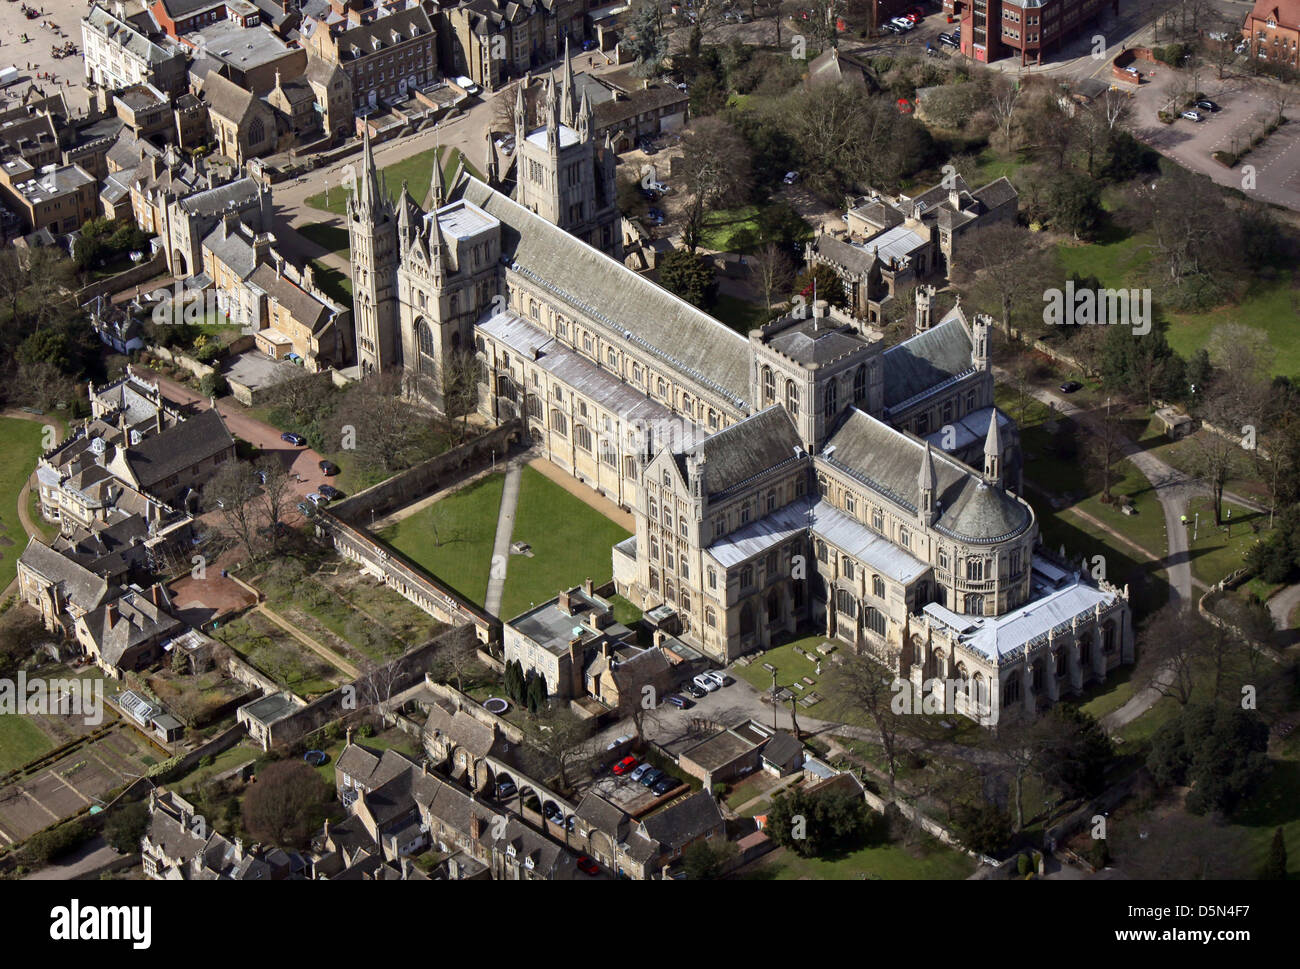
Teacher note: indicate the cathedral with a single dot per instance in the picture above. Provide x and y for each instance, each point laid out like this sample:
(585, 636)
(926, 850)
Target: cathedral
(802, 475)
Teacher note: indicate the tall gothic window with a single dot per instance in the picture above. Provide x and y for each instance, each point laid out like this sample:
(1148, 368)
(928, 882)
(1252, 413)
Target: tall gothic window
(832, 399)
(860, 384)
(769, 386)
(792, 398)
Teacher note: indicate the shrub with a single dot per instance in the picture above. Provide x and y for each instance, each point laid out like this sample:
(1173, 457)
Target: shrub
(213, 385)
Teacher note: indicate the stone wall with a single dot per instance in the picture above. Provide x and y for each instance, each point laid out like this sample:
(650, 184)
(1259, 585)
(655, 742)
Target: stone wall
(428, 476)
(149, 269)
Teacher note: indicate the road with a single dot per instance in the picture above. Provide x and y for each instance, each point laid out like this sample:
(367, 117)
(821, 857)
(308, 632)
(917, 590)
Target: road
(93, 855)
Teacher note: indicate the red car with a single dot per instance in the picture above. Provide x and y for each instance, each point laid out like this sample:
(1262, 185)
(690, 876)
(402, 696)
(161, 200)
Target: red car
(624, 765)
(915, 14)
(905, 106)
(585, 864)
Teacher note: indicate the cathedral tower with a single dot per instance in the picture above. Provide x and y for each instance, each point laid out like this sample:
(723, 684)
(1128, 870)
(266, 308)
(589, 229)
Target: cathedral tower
(372, 235)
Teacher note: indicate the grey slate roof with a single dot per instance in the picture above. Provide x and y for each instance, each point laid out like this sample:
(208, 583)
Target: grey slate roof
(158, 457)
(782, 748)
(997, 192)
(214, 201)
(683, 822)
(926, 360)
(745, 449)
(889, 462)
(816, 341)
(603, 288)
(853, 258)
(82, 587)
(233, 248)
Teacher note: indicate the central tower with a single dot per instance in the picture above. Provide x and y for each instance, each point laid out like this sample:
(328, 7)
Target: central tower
(372, 234)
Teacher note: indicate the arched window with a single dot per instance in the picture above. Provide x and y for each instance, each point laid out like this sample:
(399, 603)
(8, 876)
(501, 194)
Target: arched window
(256, 132)
(822, 555)
(875, 620)
(1011, 689)
(559, 422)
(686, 601)
(662, 388)
(769, 386)
(832, 398)
(582, 437)
(654, 581)
(710, 617)
(612, 358)
(974, 604)
(878, 587)
(792, 398)
(687, 406)
(654, 508)
(428, 366)
(654, 547)
(860, 384)
(845, 603)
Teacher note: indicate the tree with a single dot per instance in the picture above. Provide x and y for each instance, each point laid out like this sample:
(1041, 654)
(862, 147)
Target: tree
(815, 824)
(277, 495)
(1214, 457)
(1275, 867)
(286, 805)
(233, 491)
(460, 370)
(984, 828)
(1074, 752)
(820, 282)
(1004, 97)
(126, 827)
(1172, 641)
(715, 172)
(458, 657)
(536, 693)
(1104, 446)
(689, 276)
(646, 39)
(705, 861)
(1005, 268)
(1073, 203)
(1180, 847)
(565, 737)
(773, 270)
(1220, 751)
(859, 685)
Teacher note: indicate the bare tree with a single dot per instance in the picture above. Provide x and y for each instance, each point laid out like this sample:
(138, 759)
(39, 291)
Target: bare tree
(715, 170)
(233, 491)
(1173, 642)
(861, 686)
(458, 658)
(773, 270)
(277, 495)
(565, 737)
(1004, 97)
(1103, 447)
(460, 385)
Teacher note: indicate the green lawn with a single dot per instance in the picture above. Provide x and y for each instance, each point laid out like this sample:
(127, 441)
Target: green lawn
(333, 238)
(929, 861)
(1270, 304)
(1214, 554)
(20, 443)
(453, 537)
(790, 668)
(275, 653)
(571, 542)
(21, 742)
(334, 283)
(416, 171)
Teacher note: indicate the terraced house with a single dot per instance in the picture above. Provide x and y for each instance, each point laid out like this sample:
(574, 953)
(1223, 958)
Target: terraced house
(804, 475)
(383, 56)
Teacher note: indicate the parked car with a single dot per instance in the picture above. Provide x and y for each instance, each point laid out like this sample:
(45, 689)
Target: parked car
(330, 492)
(657, 216)
(588, 45)
(587, 866)
(932, 51)
(914, 11)
(902, 24)
(570, 823)
(618, 742)
(297, 440)
(316, 498)
(624, 765)
(651, 777)
(696, 691)
(905, 106)
(1205, 104)
(680, 702)
(665, 784)
(950, 40)
(1070, 386)
(791, 178)
(640, 772)
(718, 677)
(329, 468)
(1193, 116)
(467, 84)
(506, 789)
(304, 508)
(704, 682)
(552, 811)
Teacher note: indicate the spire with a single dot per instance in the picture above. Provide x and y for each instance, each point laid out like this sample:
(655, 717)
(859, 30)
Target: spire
(925, 488)
(566, 90)
(552, 117)
(491, 170)
(521, 112)
(404, 214)
(438, 191)
(993, 453)
(367, 191)
(584, 117)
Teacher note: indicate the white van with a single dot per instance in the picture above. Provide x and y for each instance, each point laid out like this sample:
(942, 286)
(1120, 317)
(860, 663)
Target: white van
(467, 85)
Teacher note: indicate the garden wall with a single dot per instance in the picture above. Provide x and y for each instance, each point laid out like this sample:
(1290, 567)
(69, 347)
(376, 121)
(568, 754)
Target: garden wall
(149, 269)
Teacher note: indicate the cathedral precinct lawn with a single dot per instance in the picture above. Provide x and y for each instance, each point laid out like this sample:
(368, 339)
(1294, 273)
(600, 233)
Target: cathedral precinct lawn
(1214, 554)
(571, 542)
(890, 862)
(20, 443)
(416, 171)
(452, 538)
(327, 235)
(790, 668)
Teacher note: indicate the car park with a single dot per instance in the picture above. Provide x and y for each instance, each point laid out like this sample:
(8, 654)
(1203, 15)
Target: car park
(705, 683)
(506, 789)
(718, 677)
(680, 702)
(552, 812)
(1193, 116)
(297, 440)
(1205, 104)
(932, 51)
(640, 772)
(1070, 386)
(587, 866)
(617, 743)
(949, 40)
(305, 508)
(316, 498)
(330, 492)
(624, 765)
(651, 777)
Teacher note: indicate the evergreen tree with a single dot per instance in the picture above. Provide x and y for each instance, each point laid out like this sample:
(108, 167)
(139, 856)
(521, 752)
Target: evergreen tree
(1275, 867)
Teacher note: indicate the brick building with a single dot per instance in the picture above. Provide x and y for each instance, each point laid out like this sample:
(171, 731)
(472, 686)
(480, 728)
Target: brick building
(1272, 29)
(1030, 29)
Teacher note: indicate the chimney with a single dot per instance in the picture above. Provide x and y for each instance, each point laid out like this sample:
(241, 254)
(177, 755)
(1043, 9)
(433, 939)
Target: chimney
(112, 614)
(565, 603)
(659, 637)
(587, 587)
(155, 593)
(475, 827)
(349, 736)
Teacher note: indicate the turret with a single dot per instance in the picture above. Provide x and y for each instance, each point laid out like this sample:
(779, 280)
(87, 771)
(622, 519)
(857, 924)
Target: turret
(566, 89)
(924, 307)
(925, 489)
(993, 453)
(979, 356)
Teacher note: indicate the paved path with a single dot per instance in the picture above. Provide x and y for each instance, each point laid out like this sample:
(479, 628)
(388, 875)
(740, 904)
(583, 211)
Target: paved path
(501, 546)
(89, 857)
(327, 654)
(1281, 606)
